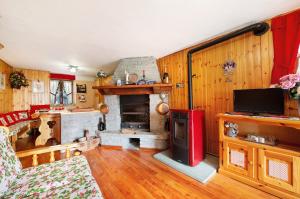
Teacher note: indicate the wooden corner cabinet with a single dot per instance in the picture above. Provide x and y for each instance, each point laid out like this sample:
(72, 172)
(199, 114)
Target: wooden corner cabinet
(274, 169)
(46, 131)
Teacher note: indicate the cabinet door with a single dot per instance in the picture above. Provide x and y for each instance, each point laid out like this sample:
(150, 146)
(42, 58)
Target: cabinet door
(240, 159)
(48, 132)
(279, 169)
(57, 129)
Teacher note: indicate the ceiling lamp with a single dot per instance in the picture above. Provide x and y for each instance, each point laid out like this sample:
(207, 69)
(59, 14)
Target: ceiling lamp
(73, 69)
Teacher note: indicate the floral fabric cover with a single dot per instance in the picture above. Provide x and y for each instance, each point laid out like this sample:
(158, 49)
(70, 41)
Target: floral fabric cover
(69, 178)
(16, 128)
(85, 188)
(10, 165)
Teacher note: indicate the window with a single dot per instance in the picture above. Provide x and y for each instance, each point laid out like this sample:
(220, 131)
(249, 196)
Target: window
(61, 92)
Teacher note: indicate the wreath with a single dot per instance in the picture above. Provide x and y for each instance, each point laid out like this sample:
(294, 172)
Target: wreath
(17, 80)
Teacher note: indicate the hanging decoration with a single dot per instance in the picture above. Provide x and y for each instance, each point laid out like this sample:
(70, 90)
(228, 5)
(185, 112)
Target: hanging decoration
(17, 79)
(163, 108)
(228, 68)
(82, 98)
(38, 86)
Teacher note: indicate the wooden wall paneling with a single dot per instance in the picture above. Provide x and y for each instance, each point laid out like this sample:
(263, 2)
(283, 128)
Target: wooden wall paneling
(215, 98)
(254, 58)
(175, 65)
(23, 98)
(266, 58)
(91, 95)
(6, 95)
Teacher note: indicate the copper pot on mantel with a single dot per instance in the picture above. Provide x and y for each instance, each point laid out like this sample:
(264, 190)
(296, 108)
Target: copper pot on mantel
(165, 78)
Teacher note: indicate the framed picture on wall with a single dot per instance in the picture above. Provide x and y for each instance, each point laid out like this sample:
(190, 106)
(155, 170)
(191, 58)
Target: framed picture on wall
(38, 86)
(82, 98)
(2, 81)
(81, 88)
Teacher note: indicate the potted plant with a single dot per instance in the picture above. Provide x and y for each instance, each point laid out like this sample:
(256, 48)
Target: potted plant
(17, 79)
(291, 83)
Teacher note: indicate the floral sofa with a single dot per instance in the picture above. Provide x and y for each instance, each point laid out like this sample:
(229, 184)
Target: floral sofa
(68, 178)
(19, 121)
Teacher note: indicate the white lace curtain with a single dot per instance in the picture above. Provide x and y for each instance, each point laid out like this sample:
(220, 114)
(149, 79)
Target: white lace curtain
(61, 94)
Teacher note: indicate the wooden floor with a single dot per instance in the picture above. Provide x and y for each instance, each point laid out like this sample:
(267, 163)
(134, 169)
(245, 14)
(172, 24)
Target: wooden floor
(136, 174)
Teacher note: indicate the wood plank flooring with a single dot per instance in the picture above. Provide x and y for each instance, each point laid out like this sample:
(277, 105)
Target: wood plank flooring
(136, 174)
(124, 174)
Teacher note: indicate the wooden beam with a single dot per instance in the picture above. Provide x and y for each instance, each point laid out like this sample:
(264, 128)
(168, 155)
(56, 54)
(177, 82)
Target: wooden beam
(133, 89)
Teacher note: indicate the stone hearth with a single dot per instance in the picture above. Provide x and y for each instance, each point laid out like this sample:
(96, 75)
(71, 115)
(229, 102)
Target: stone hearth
(157, 137)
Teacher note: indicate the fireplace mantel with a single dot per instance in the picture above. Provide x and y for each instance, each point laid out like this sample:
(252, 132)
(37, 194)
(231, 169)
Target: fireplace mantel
(133, 89)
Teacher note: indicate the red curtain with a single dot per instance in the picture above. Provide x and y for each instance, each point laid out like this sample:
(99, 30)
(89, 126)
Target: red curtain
(62, 76)
(286, 40)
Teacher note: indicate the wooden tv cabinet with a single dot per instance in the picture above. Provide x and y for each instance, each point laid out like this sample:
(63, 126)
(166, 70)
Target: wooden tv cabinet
(274, 169)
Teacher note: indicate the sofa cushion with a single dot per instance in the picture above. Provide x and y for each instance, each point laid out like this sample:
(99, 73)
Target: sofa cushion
(47, 177)
(10, 165)
(15, 116)
(23, 115)
(38, 108)
(85, 187)
(3, 120)
(9, 119)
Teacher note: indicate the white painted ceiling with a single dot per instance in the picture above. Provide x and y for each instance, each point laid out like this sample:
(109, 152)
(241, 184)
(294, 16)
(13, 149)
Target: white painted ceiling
(52, 34)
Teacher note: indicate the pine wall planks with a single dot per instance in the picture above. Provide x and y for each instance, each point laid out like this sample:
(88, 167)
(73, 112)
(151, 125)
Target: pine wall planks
(24, 97)
(175, 66)
(6, 95)
(254, 58)
(21, 99)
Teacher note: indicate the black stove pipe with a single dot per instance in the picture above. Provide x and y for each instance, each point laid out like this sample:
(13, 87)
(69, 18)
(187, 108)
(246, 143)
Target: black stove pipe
(258, 29)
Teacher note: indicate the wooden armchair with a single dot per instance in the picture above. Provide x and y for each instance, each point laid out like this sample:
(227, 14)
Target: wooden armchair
(67, 148)
(68, 178)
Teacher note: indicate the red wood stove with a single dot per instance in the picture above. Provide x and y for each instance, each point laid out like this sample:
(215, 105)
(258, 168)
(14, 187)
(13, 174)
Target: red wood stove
(187, 136)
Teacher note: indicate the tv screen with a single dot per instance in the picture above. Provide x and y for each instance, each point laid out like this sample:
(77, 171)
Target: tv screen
(256, 101)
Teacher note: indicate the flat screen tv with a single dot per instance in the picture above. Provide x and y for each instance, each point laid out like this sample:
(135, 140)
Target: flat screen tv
(259, 101)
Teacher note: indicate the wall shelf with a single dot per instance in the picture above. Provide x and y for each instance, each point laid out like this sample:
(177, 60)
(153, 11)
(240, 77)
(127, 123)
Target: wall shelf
(273, 121)
(133, 89)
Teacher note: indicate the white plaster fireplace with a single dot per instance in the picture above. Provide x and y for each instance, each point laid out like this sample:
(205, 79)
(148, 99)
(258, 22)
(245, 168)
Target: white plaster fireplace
(157, 137)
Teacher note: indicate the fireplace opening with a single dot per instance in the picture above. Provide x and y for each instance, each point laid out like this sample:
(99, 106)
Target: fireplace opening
(134, 143)
(134, 110)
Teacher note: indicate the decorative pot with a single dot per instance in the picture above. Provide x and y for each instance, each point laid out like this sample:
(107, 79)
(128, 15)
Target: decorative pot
(232, 129)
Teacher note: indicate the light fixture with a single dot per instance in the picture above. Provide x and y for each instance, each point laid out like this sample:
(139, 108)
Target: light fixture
(1, 46)
(73, 69)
